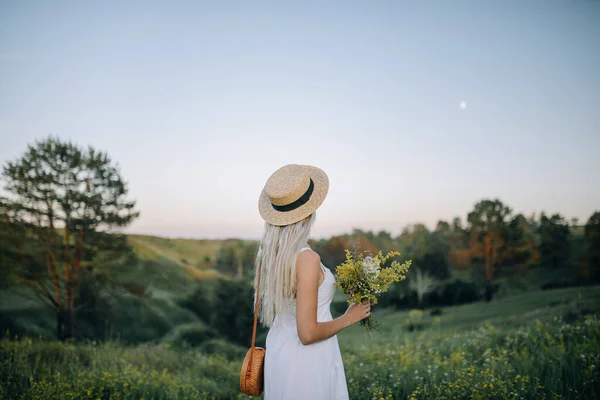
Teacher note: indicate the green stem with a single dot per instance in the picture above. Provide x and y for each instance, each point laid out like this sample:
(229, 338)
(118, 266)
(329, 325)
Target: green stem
(370, 325)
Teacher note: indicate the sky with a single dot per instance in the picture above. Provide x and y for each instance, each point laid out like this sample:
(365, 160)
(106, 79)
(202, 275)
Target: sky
(415, 110)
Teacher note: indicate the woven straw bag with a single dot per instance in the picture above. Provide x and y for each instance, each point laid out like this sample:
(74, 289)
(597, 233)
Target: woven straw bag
(252, 373)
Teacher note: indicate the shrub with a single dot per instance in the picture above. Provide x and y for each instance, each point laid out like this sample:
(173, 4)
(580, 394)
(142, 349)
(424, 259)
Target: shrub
(435, 312)
(138, 321)
(233, 307)
(9, 327)
(228, 350)
(190, 335)
(227, 306)
(200, 302)
(459, 292)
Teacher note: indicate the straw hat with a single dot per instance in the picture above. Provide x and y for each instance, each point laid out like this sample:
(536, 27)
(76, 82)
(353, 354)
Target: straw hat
(292, 193)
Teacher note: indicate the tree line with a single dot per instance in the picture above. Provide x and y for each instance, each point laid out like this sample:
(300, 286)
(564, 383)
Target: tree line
(492, 238)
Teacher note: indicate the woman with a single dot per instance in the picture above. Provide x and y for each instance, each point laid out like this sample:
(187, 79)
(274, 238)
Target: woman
(303, 359)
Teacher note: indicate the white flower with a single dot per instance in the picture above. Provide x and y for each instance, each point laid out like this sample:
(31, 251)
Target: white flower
(371, 267)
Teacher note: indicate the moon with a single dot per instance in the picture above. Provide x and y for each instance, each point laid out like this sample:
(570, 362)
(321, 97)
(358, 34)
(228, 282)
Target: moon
(463, 105)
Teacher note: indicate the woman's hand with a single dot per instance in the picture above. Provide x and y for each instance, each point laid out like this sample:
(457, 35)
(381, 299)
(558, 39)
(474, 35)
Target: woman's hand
(357, 312)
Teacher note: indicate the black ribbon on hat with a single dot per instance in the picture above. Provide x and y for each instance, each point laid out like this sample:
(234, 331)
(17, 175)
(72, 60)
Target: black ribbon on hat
(301, 201)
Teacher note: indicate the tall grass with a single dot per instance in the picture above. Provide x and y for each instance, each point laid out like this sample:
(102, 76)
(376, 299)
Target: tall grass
(550, 360)
(50, 370)
(551, 352)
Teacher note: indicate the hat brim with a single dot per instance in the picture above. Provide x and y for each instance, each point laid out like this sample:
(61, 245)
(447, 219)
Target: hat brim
(279, 218)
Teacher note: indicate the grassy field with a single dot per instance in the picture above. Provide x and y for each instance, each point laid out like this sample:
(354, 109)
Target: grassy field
(507, 313)
(536, 345)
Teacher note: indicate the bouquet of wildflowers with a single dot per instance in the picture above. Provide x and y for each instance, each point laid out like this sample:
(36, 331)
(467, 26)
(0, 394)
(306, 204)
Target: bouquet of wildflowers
(363, 279)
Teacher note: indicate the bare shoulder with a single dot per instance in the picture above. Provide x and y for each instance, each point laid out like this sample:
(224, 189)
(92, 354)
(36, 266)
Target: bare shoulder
(308, 264)
(309, 257)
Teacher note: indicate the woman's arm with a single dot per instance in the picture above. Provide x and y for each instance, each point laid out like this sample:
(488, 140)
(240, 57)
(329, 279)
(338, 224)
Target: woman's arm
(308, 270)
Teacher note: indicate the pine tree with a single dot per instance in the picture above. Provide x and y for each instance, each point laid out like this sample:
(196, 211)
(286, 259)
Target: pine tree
(62, 203)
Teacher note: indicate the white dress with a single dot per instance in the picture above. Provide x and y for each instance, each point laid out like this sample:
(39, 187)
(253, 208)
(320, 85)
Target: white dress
(294, 371)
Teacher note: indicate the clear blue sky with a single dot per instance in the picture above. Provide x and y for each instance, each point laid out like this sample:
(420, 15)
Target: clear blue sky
(199, 103)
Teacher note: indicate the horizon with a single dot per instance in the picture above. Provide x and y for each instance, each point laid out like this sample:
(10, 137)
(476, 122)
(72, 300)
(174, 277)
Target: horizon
(200, 103)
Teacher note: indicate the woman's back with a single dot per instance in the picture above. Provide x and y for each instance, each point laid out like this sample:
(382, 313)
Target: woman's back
(326, 292)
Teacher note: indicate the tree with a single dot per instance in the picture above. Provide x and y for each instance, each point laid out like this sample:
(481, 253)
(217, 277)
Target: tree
(457, 225)
(592, 239)
(428, 250)
(421, 282)
(236, 257)
(442, 227)
(332, 251)
(488, 229)
(384, 241)
(459, 253)
(62, 203)
(363, 241)
(228, 258)
(554, 236)
(522, 242)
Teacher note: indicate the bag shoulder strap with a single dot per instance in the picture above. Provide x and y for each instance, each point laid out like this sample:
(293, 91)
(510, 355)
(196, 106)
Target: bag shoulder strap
(256, 305)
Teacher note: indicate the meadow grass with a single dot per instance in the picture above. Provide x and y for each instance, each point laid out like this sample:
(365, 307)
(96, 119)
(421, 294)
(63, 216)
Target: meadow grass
(508, 311)
(538, 345)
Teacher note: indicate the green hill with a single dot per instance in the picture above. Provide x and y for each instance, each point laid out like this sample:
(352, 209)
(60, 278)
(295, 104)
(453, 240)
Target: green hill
(146, 292)
(196, 252)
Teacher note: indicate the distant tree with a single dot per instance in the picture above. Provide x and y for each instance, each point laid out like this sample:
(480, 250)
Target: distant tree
(554, 236)
(459, 253)
(359, 233)
(592, 239)
(456, 225)
(233, 298)
(428, 250)
(227, 257)
(414, 241)
(226, 306)
(421, 282)
(236, 257)
(332, 251)
(522, 247)
(443, 227)
(574, 222)
(363, 241)
(488, 229)
(205, 262)
(62, 201)
(239, 260)
(249, 257)
(384, 241)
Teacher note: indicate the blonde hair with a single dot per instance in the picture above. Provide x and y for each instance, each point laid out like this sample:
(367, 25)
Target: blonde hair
(277, 255)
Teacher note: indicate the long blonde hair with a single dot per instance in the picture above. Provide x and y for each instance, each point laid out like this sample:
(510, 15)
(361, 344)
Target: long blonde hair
(277, 255)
